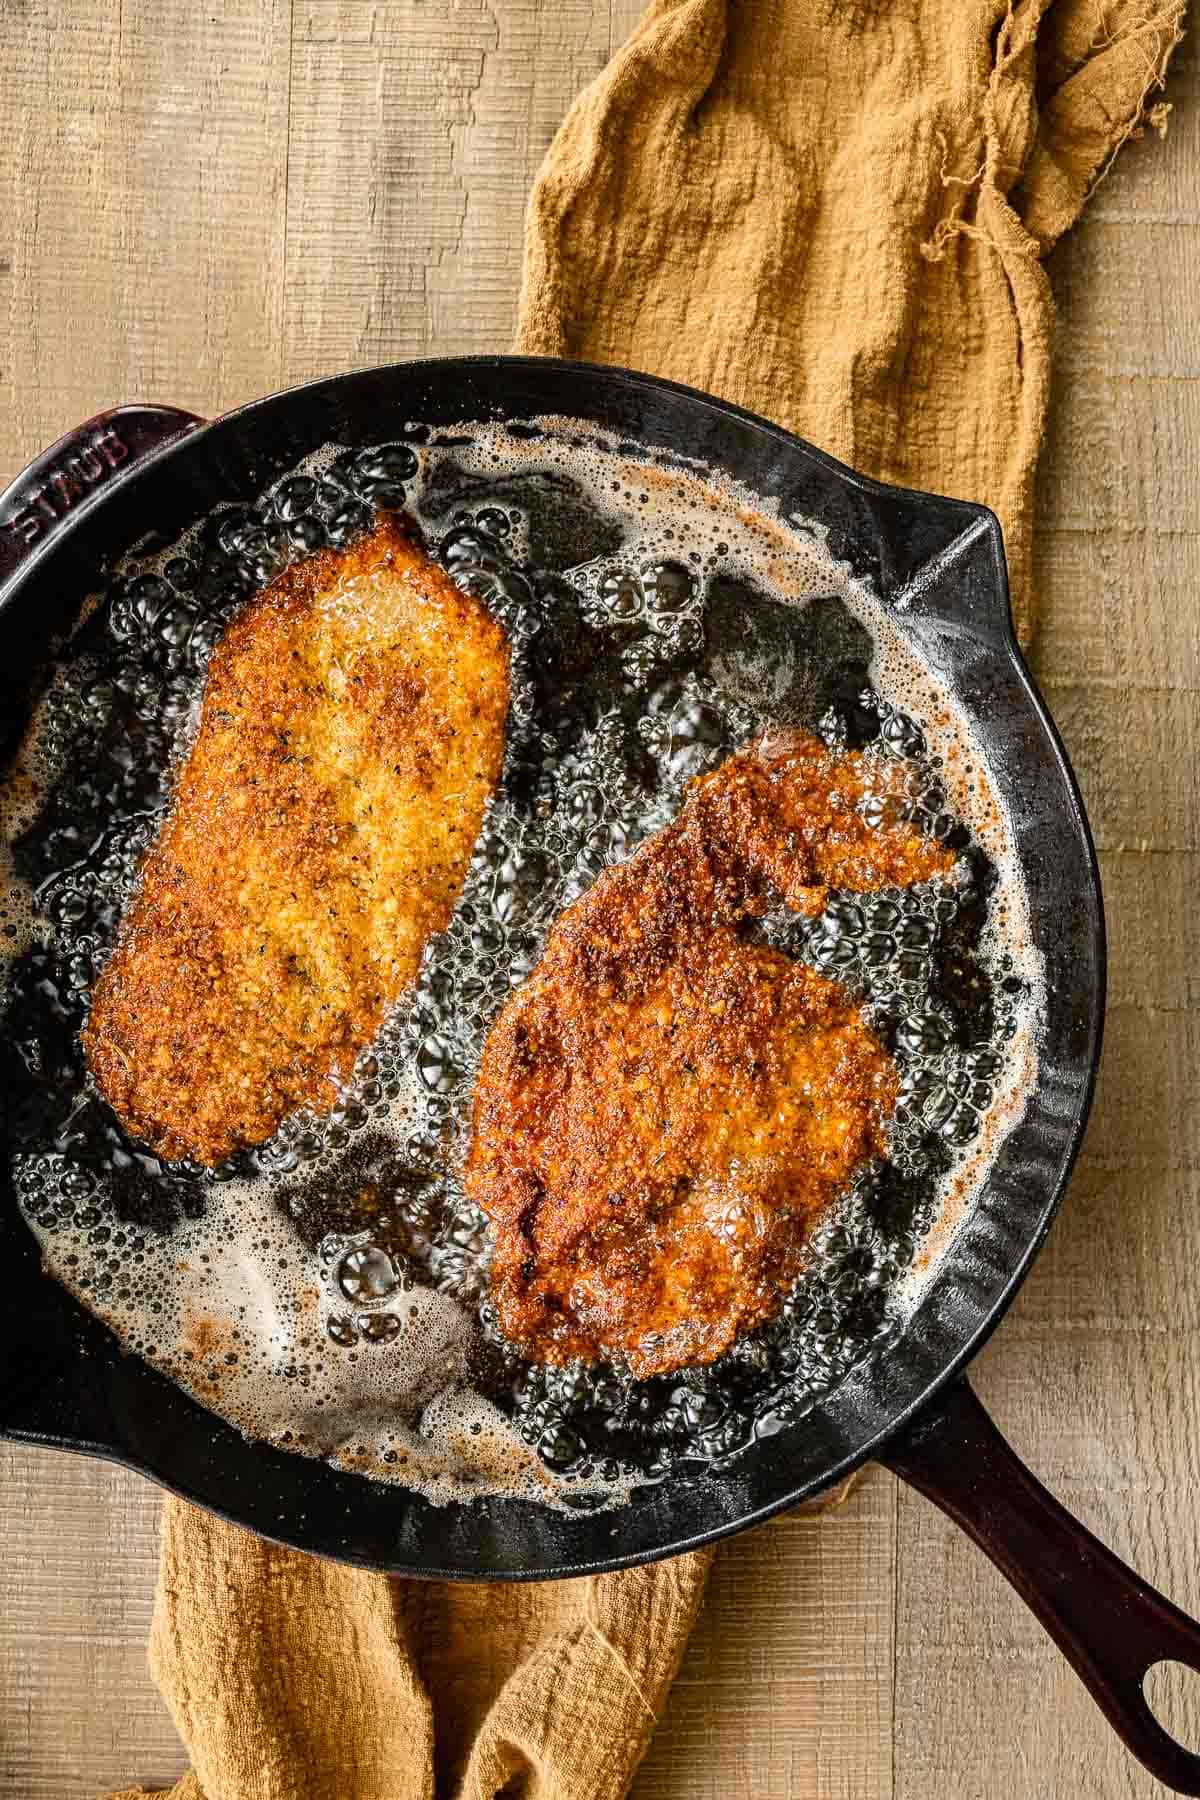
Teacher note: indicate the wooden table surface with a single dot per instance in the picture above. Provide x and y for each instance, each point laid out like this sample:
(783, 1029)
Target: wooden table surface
(200, 203)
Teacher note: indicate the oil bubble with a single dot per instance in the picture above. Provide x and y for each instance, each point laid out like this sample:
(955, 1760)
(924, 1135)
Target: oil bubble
(367, 1273)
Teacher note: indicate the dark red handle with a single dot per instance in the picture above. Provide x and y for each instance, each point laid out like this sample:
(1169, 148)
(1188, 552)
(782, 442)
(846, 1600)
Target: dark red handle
(1109, 1623)
(71, 473)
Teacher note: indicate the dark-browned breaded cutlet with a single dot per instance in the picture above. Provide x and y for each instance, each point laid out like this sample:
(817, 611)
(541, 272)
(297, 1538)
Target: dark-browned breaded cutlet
(665, 1106)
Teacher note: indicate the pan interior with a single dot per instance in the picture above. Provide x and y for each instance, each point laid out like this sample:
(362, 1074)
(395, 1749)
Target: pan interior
(660, 617)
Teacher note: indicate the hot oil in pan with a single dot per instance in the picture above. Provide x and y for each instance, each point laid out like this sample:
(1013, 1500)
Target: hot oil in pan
(328, 1290)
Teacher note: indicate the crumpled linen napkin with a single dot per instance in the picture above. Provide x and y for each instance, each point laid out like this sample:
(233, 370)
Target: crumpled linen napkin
(833, 212)
(291, 1678)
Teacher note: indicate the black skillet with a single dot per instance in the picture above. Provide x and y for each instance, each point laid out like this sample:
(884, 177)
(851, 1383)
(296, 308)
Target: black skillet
(939, 565)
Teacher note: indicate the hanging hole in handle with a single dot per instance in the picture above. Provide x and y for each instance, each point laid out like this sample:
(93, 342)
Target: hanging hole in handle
(1172, 1692)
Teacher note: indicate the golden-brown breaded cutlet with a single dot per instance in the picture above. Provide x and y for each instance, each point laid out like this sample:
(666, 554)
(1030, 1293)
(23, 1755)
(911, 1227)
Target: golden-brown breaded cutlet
(664, 1107)
(350, 737)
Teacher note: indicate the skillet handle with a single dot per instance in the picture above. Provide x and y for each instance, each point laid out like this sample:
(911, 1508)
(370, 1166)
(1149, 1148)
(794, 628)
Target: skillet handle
(1109, 1623)
(65, 478)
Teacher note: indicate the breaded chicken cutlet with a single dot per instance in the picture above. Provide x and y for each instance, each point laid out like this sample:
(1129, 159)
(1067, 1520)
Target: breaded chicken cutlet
(351, 735)
(664, 1108)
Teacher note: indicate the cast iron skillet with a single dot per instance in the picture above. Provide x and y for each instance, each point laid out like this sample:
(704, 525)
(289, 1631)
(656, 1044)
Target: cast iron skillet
(939, 564)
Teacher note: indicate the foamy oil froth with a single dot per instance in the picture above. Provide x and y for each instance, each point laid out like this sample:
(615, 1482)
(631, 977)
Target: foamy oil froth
(327, 1291)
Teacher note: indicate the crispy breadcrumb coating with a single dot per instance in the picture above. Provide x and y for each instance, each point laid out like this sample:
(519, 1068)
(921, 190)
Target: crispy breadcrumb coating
(351, 735)
(664, 1108)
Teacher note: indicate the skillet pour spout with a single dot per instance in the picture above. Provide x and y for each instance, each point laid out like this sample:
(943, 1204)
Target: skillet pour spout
(938, 566)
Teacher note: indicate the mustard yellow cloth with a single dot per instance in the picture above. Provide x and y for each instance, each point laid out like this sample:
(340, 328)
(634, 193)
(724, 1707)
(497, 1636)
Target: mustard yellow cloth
(833, 212)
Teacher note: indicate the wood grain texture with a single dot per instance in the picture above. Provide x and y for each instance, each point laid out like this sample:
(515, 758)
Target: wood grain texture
(142, 176)
(786, 1687)
(416, 130)
(78, 1711)
(1095, 1374)
(200, 204)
